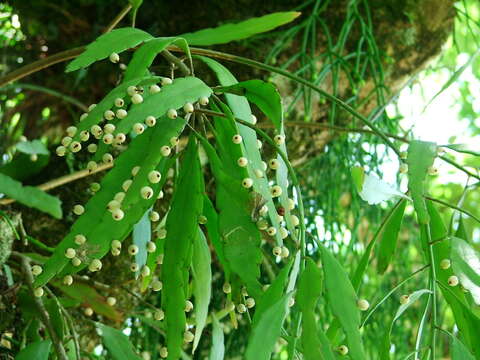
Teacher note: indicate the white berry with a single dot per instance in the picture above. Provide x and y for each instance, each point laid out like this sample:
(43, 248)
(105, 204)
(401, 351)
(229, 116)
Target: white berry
(118, 214)
(150, 121)
(111, 301)
(242, 162)
(36, 270)
(237, 139)
(363, 304)
(172, 114)
(80, 239)
(119, 102)
(188, 108)
(121, 113)
(404, 299)
(146, 192)
(247, 183)
(203, 101)
(95, 265)
(154, 89)
(279, 139)
(68, 280)
(138, 128)
(445, 264)
(109, 115)
(165, 150)
(114, 58)
(137, 99)
(452, 280)
(276, 191)
(78, 209)
(70, 253)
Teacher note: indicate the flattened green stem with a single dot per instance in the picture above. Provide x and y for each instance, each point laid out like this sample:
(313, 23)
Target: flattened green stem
(262, 66)
(433, 288)
(291, 172)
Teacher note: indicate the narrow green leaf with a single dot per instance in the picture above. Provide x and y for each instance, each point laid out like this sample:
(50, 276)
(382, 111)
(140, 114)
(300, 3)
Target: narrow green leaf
(144, 56)
(459, 351)
(32, 147)
(141, 235)
(385, 348)
(420, 157)
(117, 343)
(343, 302)
(461, 230)
(38, 350)
(263, 94)
(97, 224)
(30, 196)
(466, 265)
(186, 205)
(315, 345)
(218, 346)
(240, 108)
(212, 231)
(242, 30)
(135, 4)
(117, 40)
(202, 284)
(274, 293)
(389, 237)
(56, 318)
(358, 176)
(266, 330)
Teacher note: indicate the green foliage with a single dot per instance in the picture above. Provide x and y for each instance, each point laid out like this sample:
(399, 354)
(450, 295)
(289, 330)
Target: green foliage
(420, 158)
(389, 237)
(186, 205)
(38, 350)
(231, 32)
(30, 196)
(117, 343)
(466, 266)
(342, 301)
(115, 41)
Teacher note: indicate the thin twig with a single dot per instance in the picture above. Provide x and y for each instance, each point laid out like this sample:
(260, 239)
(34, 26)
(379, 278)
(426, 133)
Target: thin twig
(64, 180)
(113, 24)
(466, 212)
(176, 61)
(44, 316)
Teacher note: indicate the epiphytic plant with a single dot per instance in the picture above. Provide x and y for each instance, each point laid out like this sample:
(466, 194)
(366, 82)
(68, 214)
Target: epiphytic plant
(151, 130)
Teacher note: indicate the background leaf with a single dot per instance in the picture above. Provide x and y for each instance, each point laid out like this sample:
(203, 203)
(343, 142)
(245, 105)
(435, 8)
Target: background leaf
(231, 32)
(218, 346)
(38, 350)
(30, 196)
(466, 265)
(117, 343)
(32, 147)
(388, 241)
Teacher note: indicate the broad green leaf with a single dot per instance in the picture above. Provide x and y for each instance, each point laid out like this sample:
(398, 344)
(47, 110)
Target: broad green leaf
(315, 345)
(466, 265)
(32, 147)
(263, 94)
(385, 348)
(88, 296)
(202, 283)
(218, 347)
(232, 32)
(459, 351)
(38, 350)
(117, 40)
(421, 155)
(141, 235)
(144, 56)
(173, 96)
(97, 224)
(117, 343)
(266, 330)
(30, 196)
(462, 148)
(186, 205)
(241, 109)
(389, 237)
(372, 189)
(343, 302)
